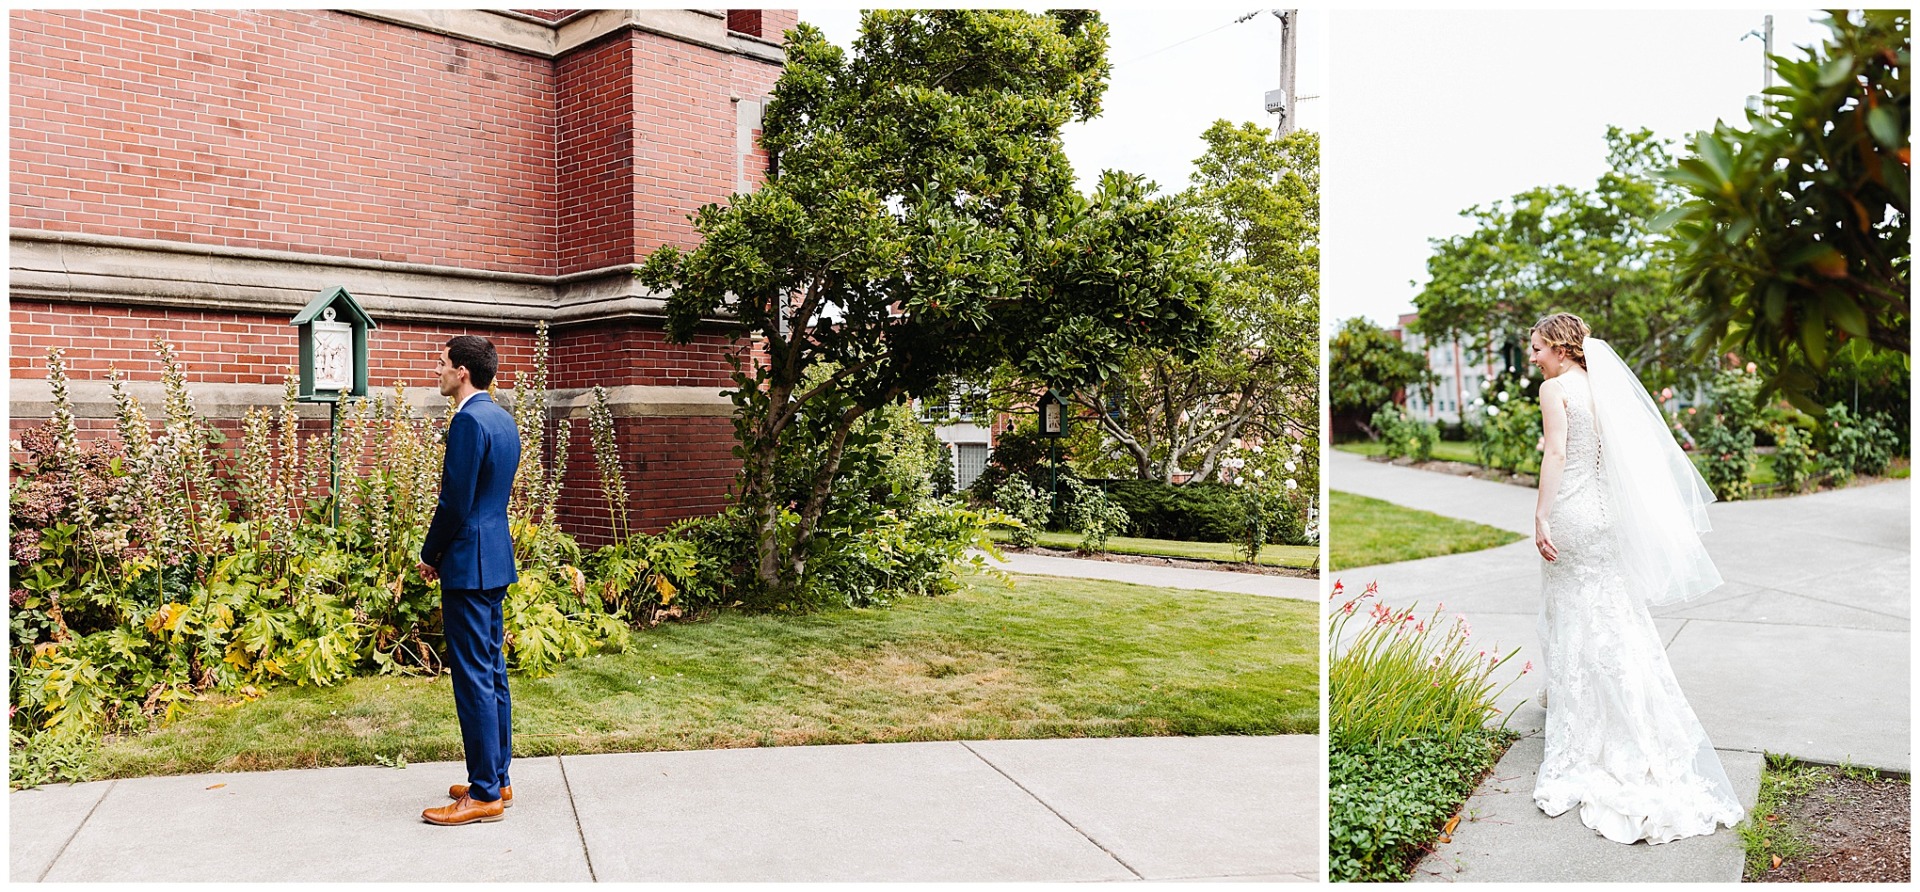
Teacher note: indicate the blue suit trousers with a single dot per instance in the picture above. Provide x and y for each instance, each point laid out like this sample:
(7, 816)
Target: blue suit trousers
(476, 637)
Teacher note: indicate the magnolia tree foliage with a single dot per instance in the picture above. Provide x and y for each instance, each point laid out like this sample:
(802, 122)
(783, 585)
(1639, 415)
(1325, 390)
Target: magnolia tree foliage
(920, 223)
(1259, 198)
(1793, 243)
(1366, 367)
(1552, 249)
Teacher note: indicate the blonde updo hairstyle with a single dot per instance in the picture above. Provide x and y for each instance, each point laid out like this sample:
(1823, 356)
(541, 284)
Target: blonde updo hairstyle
(1567, 332)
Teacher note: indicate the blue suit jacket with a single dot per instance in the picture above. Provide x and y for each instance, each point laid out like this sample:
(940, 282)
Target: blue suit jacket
(469, 543)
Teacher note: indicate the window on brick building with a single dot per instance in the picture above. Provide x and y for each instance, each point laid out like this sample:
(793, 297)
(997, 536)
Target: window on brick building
(745, 21)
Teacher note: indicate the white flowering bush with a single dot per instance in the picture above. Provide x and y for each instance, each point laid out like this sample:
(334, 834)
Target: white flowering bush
(1508, 435)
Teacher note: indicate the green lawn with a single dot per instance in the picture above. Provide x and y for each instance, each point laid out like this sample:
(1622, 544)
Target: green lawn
(1445, 450)
(1045, 657)
(1296, 556)
(1364, 532)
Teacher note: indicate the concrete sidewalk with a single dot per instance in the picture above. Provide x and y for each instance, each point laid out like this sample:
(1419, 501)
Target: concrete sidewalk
(1504, 837)
(1498, 505)
(1163, 577)
(1169, 808)
(1804, 650)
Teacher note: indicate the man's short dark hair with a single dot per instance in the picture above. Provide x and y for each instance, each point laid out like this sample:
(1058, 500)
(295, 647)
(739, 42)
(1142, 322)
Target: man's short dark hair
(477, 356)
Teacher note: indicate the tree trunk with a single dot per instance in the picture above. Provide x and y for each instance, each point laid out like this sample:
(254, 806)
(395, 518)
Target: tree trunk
(760, 485)
(822, 489)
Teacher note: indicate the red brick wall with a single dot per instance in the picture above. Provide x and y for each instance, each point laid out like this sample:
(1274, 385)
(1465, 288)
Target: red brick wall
(298, 130)
(774, 23)
(618, 353)
(226, 348)
(675, 468)
(684, 137)
(745, 21)
(594, 118)
(325, 133)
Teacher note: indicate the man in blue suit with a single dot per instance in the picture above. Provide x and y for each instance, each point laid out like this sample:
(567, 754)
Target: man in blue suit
(469, 549)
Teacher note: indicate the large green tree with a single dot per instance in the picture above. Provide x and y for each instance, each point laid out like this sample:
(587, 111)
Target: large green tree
(920, 223)
(1366, 367)
(1259, 197)
(1794, 241)
(1550, 249)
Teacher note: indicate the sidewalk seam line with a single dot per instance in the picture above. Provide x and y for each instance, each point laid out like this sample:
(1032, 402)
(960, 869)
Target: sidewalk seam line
(76, 831)
(1767, 588)
(577, 829)
(1684, 623)
(1056, 812)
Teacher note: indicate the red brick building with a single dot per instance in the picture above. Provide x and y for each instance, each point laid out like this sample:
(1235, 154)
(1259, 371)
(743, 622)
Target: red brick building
(200, 175)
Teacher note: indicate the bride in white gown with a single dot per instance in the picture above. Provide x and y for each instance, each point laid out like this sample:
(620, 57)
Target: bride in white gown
(1618, 523)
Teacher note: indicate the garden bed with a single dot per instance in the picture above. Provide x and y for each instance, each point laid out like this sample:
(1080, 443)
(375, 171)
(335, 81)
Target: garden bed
(1764, 485)
(1161, 561)
(1829, 824)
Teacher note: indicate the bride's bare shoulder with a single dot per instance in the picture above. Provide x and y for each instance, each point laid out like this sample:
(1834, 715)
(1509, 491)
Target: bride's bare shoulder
(1553, 389)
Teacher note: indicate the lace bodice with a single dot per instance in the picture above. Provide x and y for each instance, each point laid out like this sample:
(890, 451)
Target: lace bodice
(1579, 519)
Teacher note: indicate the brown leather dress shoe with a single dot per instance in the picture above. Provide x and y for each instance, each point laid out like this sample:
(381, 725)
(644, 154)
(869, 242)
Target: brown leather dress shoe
(464, 811)
(506, 794)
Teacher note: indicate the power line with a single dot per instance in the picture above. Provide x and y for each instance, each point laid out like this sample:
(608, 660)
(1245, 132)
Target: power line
(1244, 18)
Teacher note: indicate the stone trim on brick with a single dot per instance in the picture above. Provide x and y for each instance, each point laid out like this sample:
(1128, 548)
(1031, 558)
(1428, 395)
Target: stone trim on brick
(535, 36)
(72, 267)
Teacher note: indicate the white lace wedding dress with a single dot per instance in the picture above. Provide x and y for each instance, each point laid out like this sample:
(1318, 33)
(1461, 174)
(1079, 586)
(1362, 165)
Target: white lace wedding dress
(1622, 743)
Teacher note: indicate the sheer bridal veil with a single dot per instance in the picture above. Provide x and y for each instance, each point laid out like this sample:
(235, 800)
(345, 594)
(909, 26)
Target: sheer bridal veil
(1659, 500)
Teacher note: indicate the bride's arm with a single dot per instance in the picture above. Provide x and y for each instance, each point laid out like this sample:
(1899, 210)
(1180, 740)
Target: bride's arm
(1553, 462)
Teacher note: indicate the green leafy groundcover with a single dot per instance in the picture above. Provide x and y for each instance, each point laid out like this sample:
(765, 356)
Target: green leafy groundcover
(1386, 803)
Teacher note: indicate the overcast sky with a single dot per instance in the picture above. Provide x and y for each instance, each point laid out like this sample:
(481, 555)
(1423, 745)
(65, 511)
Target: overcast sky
(1445, 110)
(1174, 74)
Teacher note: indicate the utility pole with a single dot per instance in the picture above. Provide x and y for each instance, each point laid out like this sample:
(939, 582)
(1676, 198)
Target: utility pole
(1289, 41)
(1285, 101)
(1766, 61)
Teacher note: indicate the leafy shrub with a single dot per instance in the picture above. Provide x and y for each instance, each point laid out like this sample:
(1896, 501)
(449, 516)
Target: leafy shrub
(150, 572)
(881, 532)
(1405, 677)
(1735, 394)
(1857, 444)
(1729, 456)
(1095, 516)
(1263, 514)
(1408, 703)
(1387, 802)
(1191, 512)
(1402, 435)
(722, 549)
(1026, 509)
(1509, 437)
(1021, 452)
(1795, 463)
